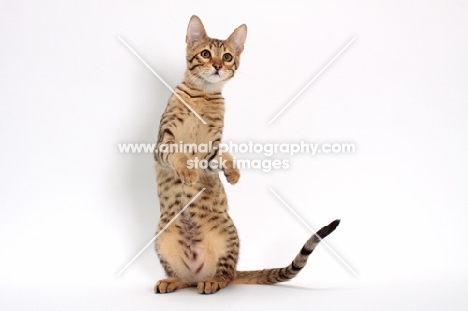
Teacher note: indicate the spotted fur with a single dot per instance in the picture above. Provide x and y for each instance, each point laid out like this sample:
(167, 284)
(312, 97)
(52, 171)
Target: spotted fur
(201, 247)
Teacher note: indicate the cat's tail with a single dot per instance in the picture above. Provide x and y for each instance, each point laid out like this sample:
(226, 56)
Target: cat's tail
(271, 276)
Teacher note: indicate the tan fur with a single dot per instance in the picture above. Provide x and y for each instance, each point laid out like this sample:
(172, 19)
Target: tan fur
(201, 247)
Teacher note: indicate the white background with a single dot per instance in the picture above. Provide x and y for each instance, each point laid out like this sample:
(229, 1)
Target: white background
(74, 210)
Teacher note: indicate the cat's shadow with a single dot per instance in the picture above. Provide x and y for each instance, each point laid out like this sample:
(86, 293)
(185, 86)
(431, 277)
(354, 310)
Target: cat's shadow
(308, 288)
(138, 175)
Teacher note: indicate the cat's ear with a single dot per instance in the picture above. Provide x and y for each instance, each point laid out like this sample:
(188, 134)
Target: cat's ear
(237, 38)
(195, 31)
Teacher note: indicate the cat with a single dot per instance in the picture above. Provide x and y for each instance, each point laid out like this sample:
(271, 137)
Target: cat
(201, 247)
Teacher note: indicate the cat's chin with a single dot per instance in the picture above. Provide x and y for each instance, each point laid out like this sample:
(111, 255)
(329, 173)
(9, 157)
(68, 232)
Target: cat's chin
(212, 83)
(213, 87)
(214, 79)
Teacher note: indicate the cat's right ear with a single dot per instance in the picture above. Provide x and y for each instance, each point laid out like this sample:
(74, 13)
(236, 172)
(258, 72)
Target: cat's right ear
(195, 31)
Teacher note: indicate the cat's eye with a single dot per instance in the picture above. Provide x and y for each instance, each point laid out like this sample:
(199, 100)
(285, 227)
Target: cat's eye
(205, 54)
(227, 57)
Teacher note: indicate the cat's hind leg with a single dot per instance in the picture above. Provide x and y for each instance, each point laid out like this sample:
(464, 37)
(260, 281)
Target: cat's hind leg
(225, 272)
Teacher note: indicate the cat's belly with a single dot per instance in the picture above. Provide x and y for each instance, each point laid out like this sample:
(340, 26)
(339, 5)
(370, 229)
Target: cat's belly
(191, 246)
(189, 260)
(194, 260)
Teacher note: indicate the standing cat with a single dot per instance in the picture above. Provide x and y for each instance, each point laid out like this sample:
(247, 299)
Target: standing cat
(201, 247)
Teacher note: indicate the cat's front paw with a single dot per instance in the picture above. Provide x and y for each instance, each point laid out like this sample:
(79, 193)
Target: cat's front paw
(187, 175)
(232, 175)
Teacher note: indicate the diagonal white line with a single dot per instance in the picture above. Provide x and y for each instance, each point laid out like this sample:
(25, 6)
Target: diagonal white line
(311, 81)
(162, 230)
(161, 79)
(313, 231)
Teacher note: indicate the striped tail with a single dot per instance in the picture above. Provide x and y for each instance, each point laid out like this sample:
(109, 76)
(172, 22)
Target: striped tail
(276, 275)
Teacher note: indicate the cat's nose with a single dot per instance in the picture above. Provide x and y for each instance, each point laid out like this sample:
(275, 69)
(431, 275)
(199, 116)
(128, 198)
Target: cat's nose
(217, 65)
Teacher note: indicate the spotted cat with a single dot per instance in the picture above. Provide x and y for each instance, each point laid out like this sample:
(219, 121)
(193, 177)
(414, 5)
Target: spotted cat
(201, 246)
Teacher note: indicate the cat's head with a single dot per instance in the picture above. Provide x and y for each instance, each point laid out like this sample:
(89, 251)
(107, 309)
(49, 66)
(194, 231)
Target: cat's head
(212, 62)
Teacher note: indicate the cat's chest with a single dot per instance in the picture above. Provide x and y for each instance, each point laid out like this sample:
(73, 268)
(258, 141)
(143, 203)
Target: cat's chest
(206, 127)
(193, 130)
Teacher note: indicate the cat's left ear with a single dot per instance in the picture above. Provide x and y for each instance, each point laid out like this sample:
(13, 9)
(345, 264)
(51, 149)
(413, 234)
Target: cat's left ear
(237, 38)
(195, 31)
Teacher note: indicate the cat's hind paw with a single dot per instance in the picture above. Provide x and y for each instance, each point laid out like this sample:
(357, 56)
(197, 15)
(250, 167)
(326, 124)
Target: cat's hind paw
(169, 285)
(210, 286)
